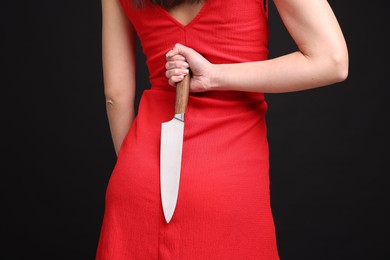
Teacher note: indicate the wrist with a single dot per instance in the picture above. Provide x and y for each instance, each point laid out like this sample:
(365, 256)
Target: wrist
(215, 77)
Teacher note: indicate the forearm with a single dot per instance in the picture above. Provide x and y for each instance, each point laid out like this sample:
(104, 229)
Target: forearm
(120, 113)
(321, 58)
(288, 73)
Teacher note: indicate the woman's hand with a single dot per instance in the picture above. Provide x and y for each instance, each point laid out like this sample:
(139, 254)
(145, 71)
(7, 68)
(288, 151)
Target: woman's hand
(321, 58)
(180, 59)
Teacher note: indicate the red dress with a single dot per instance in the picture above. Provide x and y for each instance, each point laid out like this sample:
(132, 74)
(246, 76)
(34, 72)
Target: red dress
(223, 209)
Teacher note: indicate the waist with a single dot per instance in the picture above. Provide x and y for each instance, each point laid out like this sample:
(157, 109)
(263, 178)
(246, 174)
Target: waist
(206, 111)
(215, 98)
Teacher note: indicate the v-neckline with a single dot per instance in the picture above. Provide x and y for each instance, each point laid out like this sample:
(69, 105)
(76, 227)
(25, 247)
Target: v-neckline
(190, 23)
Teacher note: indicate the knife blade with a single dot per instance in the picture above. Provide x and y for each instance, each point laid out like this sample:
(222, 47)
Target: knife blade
(171, 147)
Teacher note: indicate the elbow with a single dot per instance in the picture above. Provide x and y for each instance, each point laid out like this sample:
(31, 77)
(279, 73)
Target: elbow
(332, 64)
(337, 65)
(111, 97)
(114, 97)
(340, 67)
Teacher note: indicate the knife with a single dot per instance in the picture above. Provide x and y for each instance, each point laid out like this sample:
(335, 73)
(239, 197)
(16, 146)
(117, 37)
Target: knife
(172, 133)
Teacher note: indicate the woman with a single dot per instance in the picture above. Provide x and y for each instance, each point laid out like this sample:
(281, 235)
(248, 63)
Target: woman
(223, 209)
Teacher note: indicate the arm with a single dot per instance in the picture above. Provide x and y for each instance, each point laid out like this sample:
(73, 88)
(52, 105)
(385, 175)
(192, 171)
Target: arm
(118, 47)
(321, 59)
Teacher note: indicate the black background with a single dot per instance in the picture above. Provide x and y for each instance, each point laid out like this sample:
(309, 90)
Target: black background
(328, 146)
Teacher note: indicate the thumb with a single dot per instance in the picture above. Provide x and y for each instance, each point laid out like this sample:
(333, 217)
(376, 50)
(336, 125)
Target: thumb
(180, 49)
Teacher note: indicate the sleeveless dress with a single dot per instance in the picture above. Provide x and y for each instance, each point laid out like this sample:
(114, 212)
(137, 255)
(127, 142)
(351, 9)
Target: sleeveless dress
(223, 209)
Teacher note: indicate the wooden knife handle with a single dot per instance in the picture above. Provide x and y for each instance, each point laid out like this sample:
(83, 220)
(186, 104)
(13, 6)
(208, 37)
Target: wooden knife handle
(182, 92)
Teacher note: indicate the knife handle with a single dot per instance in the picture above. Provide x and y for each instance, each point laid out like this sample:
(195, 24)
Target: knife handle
(182, 92)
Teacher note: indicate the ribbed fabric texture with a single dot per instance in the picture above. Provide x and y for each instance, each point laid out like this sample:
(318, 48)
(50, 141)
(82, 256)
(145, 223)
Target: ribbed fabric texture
(223, 210)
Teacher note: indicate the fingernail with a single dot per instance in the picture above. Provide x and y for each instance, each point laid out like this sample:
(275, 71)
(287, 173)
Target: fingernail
(185, 71)
(168, 53)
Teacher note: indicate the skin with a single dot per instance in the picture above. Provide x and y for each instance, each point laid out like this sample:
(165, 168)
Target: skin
(118, 51)
(118, 47)
(186, 12)
(321, 59)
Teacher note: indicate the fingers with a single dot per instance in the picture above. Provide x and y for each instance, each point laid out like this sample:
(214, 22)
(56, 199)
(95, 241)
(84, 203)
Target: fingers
(176, 75)
(175, 71)
(175, 79)
(176, 64)
(176, 57)
(179, 49)
(175, 51)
